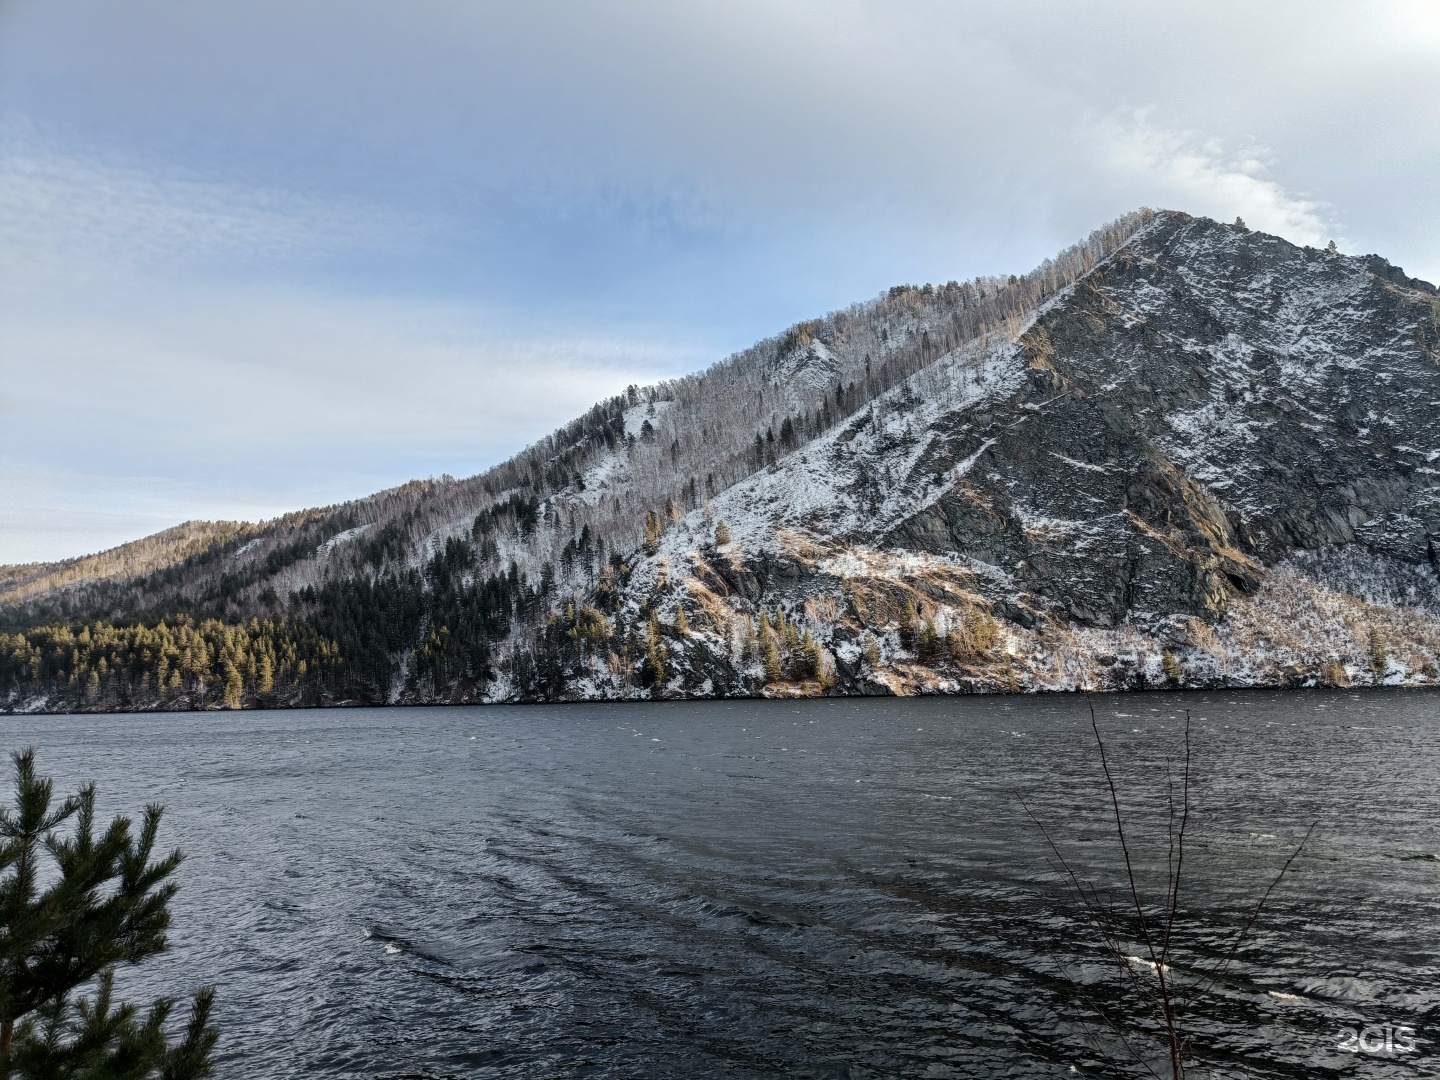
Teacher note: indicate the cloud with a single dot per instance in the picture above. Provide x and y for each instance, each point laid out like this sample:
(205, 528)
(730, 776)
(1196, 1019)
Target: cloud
(1186, 171)
(170, 353)
(49, 514)
(63, 213)
(241, 402)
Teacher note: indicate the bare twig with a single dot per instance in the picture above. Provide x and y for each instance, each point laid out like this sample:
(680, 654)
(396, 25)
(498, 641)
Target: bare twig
(1094, 910)
(1166, 997)
(1172, 901)
(1164, 991)
(1254, 915)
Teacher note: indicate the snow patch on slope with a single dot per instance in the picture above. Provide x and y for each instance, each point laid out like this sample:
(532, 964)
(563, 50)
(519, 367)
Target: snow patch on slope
(826, 483)
(637, 415)
(608, 476)
(324, 550)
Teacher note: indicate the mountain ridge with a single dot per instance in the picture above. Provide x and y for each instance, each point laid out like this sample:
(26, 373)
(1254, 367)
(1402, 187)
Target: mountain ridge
(970, 487)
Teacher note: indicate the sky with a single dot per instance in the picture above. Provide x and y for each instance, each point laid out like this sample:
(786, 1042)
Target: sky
(262, 255)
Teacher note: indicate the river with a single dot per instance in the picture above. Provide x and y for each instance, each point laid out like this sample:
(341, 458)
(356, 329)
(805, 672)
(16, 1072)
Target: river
(827, 888)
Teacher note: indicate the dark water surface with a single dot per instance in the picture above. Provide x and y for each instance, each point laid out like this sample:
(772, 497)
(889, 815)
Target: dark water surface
(823, 888)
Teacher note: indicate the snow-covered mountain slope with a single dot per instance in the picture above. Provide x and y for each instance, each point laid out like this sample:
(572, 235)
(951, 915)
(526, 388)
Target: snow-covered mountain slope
(1210, 412)
(679, 442)
(1182, 454)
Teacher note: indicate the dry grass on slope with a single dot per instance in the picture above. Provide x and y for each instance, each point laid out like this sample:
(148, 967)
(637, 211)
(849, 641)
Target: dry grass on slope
(1295, 623)
(1294, 631)
(21, 583)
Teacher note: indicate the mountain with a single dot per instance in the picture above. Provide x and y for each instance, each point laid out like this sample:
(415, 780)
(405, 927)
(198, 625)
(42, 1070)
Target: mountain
(1179, 454)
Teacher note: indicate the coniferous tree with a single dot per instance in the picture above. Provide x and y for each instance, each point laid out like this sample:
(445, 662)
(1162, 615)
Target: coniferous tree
(870, 650)
(927, 643)
(769, 650)
(652, 670)
(805, 658)
(654, 526)
(102, 903)
(909, 625)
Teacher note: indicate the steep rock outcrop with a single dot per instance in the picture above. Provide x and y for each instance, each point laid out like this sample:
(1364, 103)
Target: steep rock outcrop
(1208, 404)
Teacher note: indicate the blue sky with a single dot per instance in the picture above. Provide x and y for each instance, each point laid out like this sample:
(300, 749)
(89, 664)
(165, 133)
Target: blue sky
(257, 256)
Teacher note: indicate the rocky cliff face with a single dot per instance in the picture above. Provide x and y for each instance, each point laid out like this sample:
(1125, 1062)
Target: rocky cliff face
(1208, 406)
(1204, 405)
(1210, 460)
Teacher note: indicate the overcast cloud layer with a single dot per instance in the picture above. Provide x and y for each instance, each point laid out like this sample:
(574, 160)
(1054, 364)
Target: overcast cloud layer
(256, 256)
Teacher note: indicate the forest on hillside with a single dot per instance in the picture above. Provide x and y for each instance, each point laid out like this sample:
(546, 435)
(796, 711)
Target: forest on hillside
(450, 585)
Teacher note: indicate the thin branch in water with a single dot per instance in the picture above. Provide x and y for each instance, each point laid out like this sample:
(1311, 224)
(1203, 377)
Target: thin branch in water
(1219, 970)
(1102, 921)
(1172, 901)
(1163, 991)
(1166, 998)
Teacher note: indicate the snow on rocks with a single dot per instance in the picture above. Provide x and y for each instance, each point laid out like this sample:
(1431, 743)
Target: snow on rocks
(823, 484)
(328, 547)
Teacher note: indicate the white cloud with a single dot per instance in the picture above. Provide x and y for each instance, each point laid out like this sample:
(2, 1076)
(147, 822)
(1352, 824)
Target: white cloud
(1186, 171)
(164, 358)
(49, 514)
(157, 403)
(63, 214)
(1412, 26)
